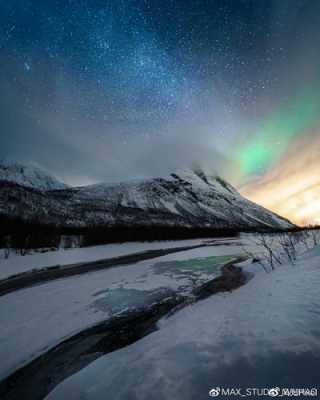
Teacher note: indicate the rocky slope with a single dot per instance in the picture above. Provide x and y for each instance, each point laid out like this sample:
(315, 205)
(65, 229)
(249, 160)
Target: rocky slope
(184, 199)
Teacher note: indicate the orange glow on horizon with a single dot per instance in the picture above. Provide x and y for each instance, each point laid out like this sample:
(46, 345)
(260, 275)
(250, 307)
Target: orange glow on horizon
(292, 188)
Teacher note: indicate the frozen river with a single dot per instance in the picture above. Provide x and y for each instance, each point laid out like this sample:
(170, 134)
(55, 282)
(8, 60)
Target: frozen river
(35, 319)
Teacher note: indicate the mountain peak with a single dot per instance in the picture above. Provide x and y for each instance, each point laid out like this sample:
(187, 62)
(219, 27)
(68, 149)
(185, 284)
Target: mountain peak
(29, 176)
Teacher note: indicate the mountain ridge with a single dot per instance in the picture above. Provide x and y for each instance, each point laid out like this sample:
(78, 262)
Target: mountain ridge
(185, 199)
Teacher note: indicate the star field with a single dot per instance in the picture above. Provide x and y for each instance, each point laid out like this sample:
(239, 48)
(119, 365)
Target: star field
(122, 89)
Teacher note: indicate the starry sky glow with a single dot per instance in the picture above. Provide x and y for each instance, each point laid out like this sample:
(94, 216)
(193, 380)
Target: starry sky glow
(106, 90)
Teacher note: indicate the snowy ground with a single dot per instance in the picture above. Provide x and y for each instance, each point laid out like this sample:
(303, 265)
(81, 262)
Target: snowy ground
(35, 319)
(264, 334)
(16, 263)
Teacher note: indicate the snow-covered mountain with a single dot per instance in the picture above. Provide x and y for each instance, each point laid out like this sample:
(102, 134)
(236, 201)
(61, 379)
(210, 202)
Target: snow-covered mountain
(183, 199)
(29, 176)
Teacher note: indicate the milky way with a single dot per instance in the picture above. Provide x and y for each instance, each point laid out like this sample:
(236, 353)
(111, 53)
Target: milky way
(108, 90)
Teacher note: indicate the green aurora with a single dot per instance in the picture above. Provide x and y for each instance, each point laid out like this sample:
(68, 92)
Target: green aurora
(273, 138)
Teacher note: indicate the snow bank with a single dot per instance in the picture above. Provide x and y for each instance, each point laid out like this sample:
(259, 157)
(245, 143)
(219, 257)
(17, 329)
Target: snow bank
(264, 334)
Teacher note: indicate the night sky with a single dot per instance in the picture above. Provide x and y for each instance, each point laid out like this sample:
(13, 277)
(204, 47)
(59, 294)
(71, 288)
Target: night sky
(115, 90)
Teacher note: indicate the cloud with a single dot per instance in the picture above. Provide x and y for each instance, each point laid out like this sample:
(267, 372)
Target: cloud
(64, 126)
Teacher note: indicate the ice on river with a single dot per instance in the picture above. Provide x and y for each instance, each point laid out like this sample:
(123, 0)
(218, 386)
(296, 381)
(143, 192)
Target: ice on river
(265, 334)
(33, 320)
